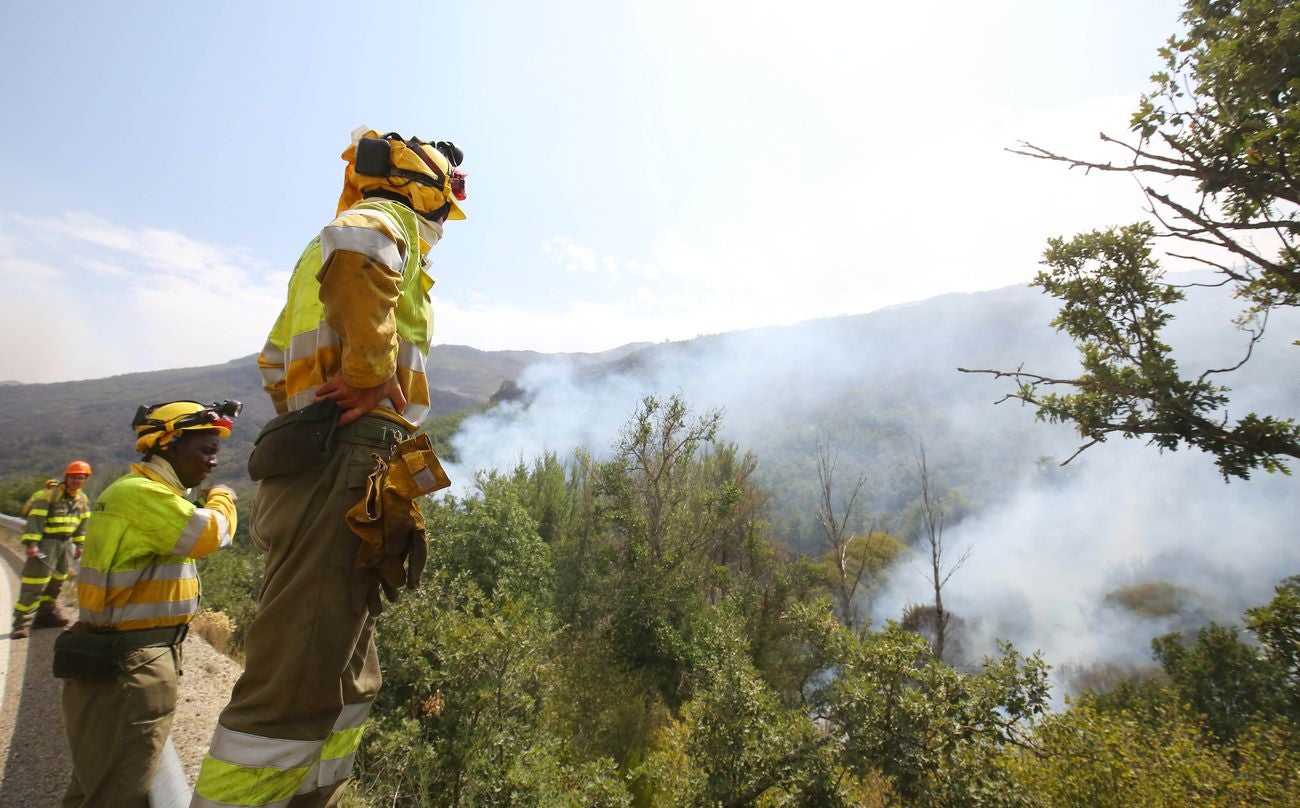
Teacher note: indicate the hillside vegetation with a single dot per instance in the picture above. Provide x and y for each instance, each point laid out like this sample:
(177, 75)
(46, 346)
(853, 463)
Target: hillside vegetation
(654, 611)
(43, 426)
(631, 632)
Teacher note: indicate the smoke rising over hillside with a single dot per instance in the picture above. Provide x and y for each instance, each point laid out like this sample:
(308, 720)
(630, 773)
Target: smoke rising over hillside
(1048, 544)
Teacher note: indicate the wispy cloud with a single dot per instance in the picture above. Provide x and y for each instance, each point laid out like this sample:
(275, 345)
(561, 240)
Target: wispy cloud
(940, 210)
(126, 298)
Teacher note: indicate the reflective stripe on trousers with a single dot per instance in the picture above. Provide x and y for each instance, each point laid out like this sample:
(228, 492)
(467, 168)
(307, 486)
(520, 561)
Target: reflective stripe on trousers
(291, 730)
(247, 770)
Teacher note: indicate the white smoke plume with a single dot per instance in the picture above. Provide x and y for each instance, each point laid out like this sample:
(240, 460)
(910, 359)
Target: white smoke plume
(1048, 544)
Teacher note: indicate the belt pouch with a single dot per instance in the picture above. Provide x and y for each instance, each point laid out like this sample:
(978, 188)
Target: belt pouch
(88, 655)
(415, 468)
(294, 441)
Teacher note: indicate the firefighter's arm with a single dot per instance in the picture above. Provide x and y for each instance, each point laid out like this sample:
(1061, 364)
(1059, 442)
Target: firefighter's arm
(35, 528)
(270, 363)
(83, 517)
(79, 537)
(212, 526)
(360, 295)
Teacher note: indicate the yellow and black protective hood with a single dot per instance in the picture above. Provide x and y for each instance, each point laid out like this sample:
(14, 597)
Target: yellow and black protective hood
(417, 171)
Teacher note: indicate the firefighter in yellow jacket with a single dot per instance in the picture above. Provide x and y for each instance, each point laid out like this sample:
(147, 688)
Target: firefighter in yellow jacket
(338, 473)
(138, 590)
(56, 526)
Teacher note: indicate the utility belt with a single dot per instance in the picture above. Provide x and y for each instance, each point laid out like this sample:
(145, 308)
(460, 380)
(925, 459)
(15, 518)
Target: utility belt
(97, 653)
(302, 439)
(373, 431)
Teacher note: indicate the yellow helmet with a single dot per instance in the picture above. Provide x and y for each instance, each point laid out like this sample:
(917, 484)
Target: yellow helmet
(424, 174)
(157, 425)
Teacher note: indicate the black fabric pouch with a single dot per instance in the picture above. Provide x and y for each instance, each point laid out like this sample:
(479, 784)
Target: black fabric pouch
(88, 655)
(294, 441)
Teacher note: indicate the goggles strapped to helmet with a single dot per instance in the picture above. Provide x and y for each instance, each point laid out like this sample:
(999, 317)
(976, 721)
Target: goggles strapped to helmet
(374, 158)
(221, 414)
(454, 157)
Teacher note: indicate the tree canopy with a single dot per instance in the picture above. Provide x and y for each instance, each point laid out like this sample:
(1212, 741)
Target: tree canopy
(1221, 124)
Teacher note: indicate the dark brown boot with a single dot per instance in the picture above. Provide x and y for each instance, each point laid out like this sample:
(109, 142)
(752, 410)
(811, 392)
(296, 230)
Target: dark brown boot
(49, 618)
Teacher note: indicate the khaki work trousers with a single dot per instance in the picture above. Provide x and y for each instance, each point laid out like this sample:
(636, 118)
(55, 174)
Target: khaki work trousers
(308, 653)
(42, 580)
(117, 729)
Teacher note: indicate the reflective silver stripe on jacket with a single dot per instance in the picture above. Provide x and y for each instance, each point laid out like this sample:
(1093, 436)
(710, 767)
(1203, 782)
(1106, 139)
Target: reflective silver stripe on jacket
(124, 579)
(272, 375)
(199, 521)
(366, 241)
(116, 615)
(409, 357)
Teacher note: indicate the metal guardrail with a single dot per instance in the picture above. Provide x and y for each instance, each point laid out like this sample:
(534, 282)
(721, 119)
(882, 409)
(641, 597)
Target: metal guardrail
(15, 522)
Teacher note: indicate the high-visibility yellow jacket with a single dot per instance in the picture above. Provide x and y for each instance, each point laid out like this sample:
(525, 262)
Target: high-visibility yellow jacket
(358, 303)
(56, 513)
(138, 567)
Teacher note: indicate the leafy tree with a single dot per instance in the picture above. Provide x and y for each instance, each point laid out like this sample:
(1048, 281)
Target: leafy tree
(469, 665)
(491, 540)
(1220, 677)
(15, 490)
(1277, 626)
(735, 742)
(894, 709)
(679, 508)
(866, 557)
(1085, 758)
(1223, 117)
(466, 677)
(1235, 685)
(1235, 693)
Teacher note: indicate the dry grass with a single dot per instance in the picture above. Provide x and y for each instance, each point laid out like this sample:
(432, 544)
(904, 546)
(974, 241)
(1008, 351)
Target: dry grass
(214, 627)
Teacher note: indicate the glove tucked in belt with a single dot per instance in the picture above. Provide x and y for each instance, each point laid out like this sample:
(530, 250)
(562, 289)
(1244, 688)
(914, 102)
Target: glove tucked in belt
(392, 552)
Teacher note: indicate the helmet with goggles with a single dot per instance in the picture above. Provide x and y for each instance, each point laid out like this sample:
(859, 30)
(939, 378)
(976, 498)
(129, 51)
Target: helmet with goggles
(423, 173)
(157, 425)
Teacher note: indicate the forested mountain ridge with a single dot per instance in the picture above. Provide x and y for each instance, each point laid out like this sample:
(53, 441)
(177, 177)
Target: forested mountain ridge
(42, 426)
(872, 386)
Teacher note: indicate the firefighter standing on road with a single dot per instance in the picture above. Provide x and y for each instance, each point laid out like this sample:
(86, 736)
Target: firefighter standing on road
(138, 591)
(56, 526)
(344, 366)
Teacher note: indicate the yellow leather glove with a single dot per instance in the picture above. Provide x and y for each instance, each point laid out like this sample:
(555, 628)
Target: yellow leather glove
(393, 550)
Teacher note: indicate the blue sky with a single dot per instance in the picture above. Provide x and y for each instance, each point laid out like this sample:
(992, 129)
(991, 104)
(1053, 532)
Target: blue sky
(637, 171)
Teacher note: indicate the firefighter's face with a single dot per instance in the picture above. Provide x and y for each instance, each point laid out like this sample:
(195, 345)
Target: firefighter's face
(193, 455)
(73, 482)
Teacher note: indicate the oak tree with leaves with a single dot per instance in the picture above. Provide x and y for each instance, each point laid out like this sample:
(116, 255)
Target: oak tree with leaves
(1222, 120)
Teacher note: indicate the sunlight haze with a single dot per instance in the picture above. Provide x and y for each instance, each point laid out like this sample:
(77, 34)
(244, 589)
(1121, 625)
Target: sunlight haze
(637, 171)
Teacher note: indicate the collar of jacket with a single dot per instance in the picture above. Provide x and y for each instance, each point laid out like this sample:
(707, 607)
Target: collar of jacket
(159, 470)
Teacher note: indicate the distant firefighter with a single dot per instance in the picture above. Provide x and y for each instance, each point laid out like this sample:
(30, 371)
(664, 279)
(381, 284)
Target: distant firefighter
(56, 526)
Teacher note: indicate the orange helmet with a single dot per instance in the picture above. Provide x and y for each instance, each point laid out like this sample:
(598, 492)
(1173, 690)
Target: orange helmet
(77, 467)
